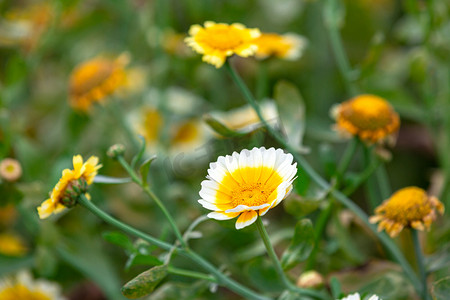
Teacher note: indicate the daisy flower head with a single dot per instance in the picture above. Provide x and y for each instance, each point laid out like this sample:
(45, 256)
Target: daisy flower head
(70, 186)
(247, 184)
(217, 41)
(12, 245)
(369, 117)
(10, 169)
(408, 207)
(288, 46)
(93, 80)
(356, 296)
(23, 286)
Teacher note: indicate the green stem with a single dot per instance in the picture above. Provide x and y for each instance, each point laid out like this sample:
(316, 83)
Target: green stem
(128, 229)
(362, 178)
(420, 263)
(221, 278)
(155, 198)
(346, 160)
(370, 186)
(330, 9)
(278, 268)
(306, 167)
(383, 182)
(189, 273)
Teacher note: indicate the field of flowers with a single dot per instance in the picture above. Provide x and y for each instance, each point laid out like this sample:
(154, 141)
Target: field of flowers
(205, 149)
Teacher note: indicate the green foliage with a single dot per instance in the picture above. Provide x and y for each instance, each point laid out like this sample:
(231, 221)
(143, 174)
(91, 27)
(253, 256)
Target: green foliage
(144, 283)
(301, 245)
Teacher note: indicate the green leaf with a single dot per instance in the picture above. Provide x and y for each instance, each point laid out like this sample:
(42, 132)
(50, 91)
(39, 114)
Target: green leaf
(220, 128)
(261, 273)
(145, 168)
(137, 259)
(45, 261)
(119, 239)
(111, 180)
(301, 245)
(441, 289)
(144, 283)
(336, 289)
(291, 108)
(287, 295)
(138, 156)
(300, 206)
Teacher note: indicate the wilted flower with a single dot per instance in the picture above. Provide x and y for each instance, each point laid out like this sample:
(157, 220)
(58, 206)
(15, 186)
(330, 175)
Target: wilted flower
(10, 169)
(408, 207)
(218, 41)
(244, 119)
(247, 184)
(70, 186)
(288, 46)
(12, 245)
(369, 117)
(25, 26)
(95, 79)
(356, 296)
(23, 286)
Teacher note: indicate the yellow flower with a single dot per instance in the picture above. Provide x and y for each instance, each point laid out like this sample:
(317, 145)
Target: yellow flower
(187, 135)
(10, 169)
(247, 184)
(370, 117)
(218, 41)
(95, 79)
(288, 46)
(149, 125)
(24, 287)
(12, 245)
(60, 198)
(408, 207)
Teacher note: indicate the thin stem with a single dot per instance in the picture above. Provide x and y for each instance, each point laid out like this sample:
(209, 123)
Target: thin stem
(346, 159)
(420, 263)
(128, 229)
(362, 178)
(383, 182)
(221, 278)
(155, 198)
(370, 186)
(306, 167)
(278, 268)
(192, 274)
(331, 23)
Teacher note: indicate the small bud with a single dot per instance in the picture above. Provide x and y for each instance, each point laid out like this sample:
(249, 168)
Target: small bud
(310, 279)
(115, 151)
(10, 169)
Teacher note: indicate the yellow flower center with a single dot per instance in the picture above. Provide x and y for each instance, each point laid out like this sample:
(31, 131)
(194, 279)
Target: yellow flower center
(21, 292)
(186, 133)
(152, 125)
(222, 37)
(368, 112)
(90, 75)
(253, 191)
(407, 205)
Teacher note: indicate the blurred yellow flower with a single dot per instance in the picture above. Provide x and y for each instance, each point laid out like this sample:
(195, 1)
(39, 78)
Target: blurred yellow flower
(217, 41)
(10, 169)
(370, 117)
(187, 135)
(26, 25)
(288, 46)
(95, 79)
(62, 195)
(150, 124)
(247, 184)
(408, 207)
(12, 245)
(24, 287)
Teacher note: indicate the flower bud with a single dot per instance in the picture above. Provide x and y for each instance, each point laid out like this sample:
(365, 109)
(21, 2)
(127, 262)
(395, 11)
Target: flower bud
(115, 151)
(310, 279)
(10, 169)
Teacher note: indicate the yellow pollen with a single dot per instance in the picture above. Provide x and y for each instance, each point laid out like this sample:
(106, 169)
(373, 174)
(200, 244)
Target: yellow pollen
(20, 291)
(407, 205)
(368, 113)
(253, 194)
(221, 37)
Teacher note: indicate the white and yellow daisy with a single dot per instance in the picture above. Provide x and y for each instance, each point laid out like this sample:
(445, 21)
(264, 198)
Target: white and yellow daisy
(23, 286)
(247, 184)
(356, 296)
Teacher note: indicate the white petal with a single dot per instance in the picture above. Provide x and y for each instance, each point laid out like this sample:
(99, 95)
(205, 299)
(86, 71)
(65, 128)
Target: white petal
(245, 219)
(208, 205)
(242, 207)
(217, 215)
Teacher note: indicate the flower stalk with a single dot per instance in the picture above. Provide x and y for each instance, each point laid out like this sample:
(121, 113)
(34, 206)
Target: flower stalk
(420, 263)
